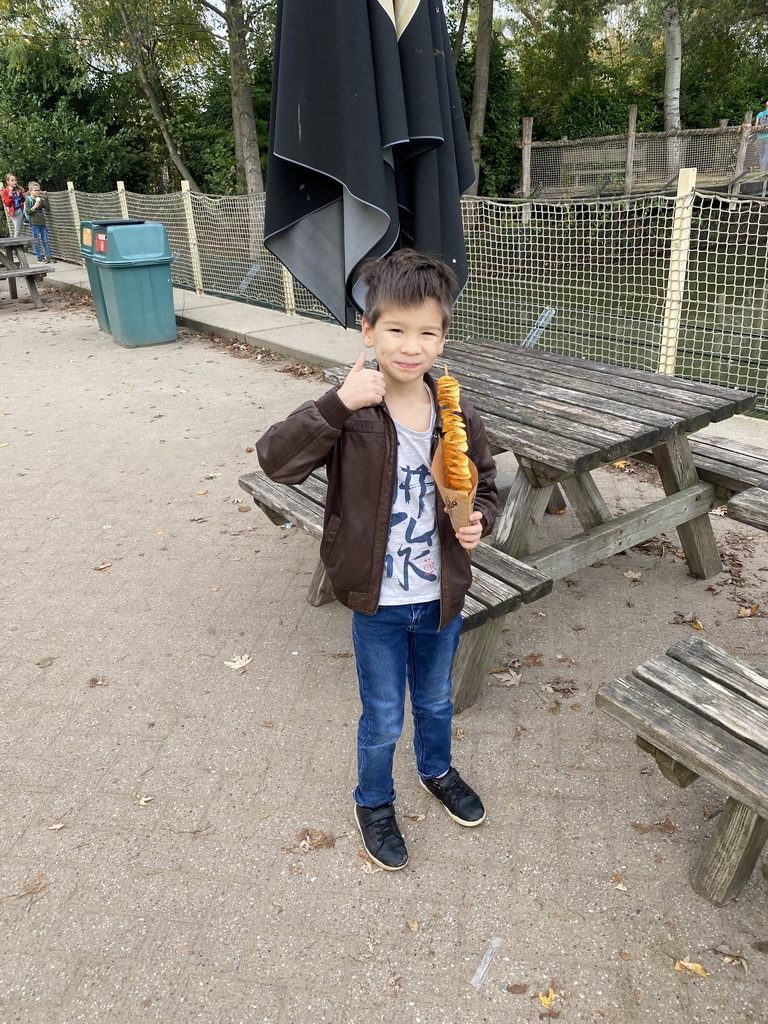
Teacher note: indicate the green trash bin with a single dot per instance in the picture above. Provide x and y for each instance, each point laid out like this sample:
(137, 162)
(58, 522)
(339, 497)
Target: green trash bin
(87, 228)
(134, 267)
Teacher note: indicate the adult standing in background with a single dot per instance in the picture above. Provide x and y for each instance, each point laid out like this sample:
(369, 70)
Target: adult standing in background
(13, 196)
(761, 123)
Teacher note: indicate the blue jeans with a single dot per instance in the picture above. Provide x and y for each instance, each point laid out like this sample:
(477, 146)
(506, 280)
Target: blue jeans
(40, 235)
(399, 644)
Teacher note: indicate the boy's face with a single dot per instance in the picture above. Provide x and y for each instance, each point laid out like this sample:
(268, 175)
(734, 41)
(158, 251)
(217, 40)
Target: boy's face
(406, 340)
(35, 191)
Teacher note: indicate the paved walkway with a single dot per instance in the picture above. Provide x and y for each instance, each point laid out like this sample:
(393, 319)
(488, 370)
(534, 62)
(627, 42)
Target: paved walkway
(177, 840)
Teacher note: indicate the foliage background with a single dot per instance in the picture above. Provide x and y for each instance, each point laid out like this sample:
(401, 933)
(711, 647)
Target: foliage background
(72, 109)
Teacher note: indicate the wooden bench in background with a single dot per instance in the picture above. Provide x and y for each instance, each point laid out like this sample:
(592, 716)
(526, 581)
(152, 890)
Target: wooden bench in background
(701, 711)
(500, 583)
(738, 472)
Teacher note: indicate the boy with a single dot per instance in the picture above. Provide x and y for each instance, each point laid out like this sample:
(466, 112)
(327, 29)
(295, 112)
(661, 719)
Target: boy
(35, 207)
(388, 546)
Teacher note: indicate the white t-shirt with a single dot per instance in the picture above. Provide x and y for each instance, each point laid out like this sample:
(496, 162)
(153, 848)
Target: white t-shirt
(412, 563)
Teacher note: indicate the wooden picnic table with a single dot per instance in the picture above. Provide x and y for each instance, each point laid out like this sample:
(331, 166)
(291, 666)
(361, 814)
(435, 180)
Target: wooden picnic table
(564, 417)
(14, 264)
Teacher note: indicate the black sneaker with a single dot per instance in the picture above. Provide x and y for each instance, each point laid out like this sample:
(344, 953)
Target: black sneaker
(460, 801)
(381, 837)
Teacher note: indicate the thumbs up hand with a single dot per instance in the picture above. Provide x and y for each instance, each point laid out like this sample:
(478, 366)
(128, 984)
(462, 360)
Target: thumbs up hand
(362, 386)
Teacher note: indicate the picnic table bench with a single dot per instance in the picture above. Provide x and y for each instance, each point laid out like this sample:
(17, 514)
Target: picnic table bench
(500, 583)
(738, 472)
(702, 712)
(14, 265)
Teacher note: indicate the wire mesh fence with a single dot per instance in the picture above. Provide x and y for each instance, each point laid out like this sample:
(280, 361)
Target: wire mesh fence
(587, 277)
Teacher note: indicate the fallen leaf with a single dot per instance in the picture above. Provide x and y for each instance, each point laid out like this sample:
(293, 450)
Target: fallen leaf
(98, 681)
(634, 576)
(46, 661)
(548, 999)
(761, 947)
(729, 957)
(681, 619)
(314, 839)
(721, 511)
(415, 817)
(202, 492)
(160, 532)
(519, 730)
(144, 800)
(55, 828)
(691, 968)
(413, 925)
(621, 464)
(625, 956)
(345, 655)
(102, 566)
(249, 450)
(659, 826)
(533, 660)
(266, 724)
(506, 679)
(517, 990)
(746, 612)
(241, 662)
(459, 734)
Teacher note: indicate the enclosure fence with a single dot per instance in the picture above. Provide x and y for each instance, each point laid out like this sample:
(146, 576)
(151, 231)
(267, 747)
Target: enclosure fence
(732, 156)
(657, 282)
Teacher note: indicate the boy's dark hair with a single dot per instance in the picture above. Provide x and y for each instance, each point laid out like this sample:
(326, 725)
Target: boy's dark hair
(408, 278)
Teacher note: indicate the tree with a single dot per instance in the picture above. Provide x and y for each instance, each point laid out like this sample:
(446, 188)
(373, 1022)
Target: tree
(233, 14)
(480, 90)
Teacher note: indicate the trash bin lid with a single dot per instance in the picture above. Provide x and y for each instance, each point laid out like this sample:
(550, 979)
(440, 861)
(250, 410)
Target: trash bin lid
(87, 228)
(145, 242)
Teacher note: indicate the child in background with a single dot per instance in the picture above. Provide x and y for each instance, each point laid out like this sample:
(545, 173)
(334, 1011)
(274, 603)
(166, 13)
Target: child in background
(388, 546)
(13, 196)
(35, 208)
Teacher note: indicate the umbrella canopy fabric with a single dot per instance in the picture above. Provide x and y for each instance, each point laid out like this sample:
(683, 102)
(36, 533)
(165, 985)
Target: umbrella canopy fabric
(368, 147)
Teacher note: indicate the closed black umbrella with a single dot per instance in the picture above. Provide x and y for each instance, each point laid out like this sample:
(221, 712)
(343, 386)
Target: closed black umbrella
(368, 148)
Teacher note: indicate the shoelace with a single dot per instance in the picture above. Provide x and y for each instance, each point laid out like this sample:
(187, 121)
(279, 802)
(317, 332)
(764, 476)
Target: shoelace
(457, 787)
(385, 827)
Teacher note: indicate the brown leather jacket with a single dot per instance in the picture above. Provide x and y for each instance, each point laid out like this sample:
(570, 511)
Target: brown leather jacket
(358, 450)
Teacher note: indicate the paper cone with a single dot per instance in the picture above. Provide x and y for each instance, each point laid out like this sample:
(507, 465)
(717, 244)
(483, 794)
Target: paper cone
(458, 503)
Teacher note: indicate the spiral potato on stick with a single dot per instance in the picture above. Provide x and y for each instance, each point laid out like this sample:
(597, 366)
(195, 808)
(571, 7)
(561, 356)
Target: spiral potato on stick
(455, 461)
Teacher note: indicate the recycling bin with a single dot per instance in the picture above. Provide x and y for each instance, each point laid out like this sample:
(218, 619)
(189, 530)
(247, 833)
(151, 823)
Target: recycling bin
(87, 228)
(134, 268)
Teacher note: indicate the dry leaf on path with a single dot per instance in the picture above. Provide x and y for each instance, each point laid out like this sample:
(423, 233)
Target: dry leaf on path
(681, 619)
(102, 566)
(691, 968)
(413, 925)
(241, 662)
(745, 612)
(45, 662)
(517, 990)
(729, 957)
(660, 826)
(533, 660)
(548, 999)
(314, 839)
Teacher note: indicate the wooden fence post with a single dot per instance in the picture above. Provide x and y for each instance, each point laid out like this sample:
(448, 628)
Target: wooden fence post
(629, 166)
(526, 169)
(680, 244)
(75, 215)
(123, 200)
(194, 250)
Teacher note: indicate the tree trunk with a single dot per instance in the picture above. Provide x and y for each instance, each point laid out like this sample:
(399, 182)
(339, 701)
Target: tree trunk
(154, 102)
(673, 47)
(458, 42)
(480, 90)
(249, 177)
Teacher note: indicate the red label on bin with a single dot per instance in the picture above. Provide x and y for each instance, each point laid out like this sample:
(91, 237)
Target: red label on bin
(101, 241)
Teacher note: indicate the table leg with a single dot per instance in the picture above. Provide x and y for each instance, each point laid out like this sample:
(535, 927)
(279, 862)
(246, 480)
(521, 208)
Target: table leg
(521, 516)
(731, 855)
(586, 501)
(470, 666)
(677, 471)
